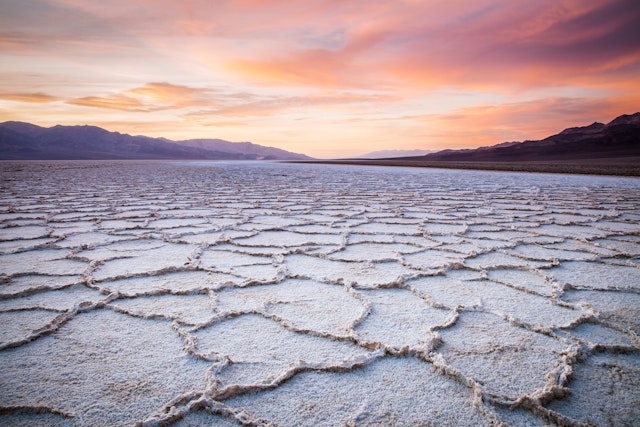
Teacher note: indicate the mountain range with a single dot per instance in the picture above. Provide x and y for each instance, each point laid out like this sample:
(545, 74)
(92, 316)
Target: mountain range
(619, 138)
(381, 154)
(25, 141)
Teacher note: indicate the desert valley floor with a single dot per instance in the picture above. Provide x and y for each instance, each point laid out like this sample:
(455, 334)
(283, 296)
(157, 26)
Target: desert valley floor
(187, 294)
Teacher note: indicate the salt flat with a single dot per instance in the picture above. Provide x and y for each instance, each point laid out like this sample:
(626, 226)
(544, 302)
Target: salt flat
(195, 293)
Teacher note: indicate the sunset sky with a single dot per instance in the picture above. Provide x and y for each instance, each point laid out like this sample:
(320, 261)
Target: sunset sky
(328, 78)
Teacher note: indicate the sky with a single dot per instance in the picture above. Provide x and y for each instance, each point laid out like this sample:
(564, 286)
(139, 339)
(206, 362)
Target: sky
(328, 78)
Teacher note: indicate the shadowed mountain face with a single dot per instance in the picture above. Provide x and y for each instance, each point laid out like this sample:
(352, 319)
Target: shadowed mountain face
(24, 141)
(619, 138)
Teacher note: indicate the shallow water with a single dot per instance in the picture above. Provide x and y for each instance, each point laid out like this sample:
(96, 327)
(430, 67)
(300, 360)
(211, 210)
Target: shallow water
(203, 293)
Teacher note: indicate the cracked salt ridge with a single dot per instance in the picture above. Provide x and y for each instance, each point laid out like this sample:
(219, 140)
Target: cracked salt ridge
(597, 275)
(101, 368)
(44, 261)
(616, 308)
(296, 300)
(167, 257)
(480, 269)
(15, 246)
(177, 283)
(55, 300)
(23, 232)
(509, 362)
(390, 391)
(362, 274)
(466, 290)
(29, 284)
(400, 320)
(599, 380)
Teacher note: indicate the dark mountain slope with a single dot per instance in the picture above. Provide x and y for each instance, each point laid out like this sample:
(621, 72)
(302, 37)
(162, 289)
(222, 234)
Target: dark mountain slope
(24, 141)
(618, 138)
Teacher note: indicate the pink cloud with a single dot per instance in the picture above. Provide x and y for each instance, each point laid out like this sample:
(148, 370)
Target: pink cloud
(508, 44)
(330, 43)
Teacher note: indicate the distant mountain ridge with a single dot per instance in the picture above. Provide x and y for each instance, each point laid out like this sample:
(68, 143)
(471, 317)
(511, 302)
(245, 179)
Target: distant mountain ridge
(618, 138)
(246, 148)
(26, 141)
(393, 153)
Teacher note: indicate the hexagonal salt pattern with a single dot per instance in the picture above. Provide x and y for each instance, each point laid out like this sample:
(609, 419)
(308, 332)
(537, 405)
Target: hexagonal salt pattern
(205, 293)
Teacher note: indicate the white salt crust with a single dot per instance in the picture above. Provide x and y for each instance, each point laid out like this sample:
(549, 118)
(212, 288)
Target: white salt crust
(204, 293)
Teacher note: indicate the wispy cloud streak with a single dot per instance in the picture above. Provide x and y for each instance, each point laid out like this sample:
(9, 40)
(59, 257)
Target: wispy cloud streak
(37, 97)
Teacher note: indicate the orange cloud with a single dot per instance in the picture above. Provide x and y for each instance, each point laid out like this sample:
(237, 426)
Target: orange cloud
(202, 103)
(38, 97)
(149, 97)
(173, 96)
(114, 102)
